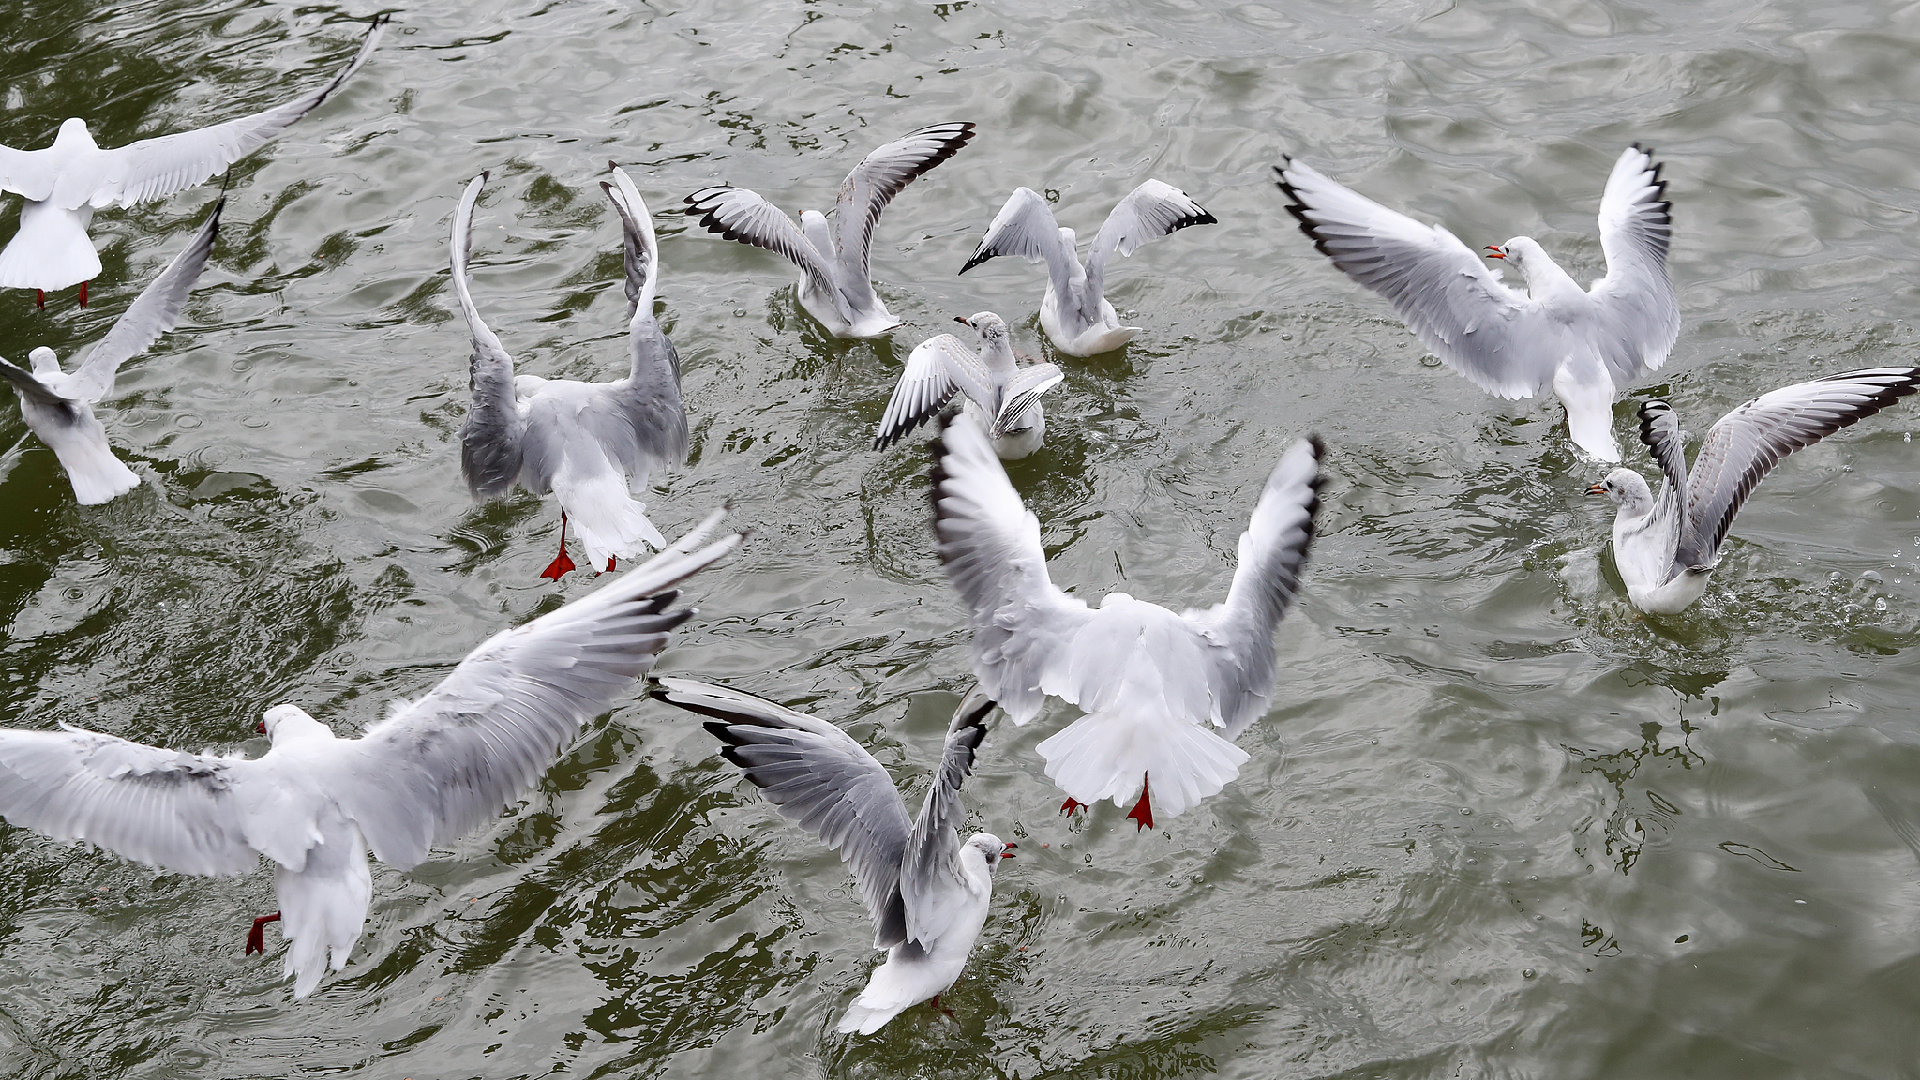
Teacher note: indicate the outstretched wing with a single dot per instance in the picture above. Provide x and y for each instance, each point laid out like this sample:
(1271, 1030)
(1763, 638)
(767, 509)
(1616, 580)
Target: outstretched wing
(1273, 552)
(152, 313)
(28, 385)
(651, 405)
(937, 368)
(1660, 430)
(1638, 313)
(744, 217)
(1149, 212)
(877, 179)
(1020, 399)
(929, 882)
(436, 768)
(155, 168)
(821, 780)
(1025, 226)
(493, 440)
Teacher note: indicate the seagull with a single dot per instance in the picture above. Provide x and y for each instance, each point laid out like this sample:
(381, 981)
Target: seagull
(1582, 345)
(58, 405)
(1165, 695)
(835, 284)
(315, 804)
(1665, 547)
(65, 183)
(590, 444)
(1002, 396)
(926, 890)
(1074, 313)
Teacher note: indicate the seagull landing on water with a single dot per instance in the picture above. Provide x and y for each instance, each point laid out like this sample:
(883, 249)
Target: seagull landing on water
(315, 804)
(589, 444)
(926, 889)
(835, 284)
(65, 183)
(1665, 547)
(1584, 345)
(1075, 313)
(1165, 695)
(1003, 397)
(58, 406)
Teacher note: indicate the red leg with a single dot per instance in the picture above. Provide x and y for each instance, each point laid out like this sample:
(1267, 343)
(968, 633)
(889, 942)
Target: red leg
(936, 1004)
(257, 937)
(561, 564)
(40, 299)
(1142, 812)
(1071, 805)
(83, 294)
(609, 564)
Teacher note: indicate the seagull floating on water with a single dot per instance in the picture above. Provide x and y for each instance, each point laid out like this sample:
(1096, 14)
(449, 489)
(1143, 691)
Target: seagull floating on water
(1075, 313)
(58, 406)
(1165, 695)
(1583, 345)
(926, 890)
(836, 287)
(1665, 547)
(65, 183)
(315, 804)
(589, 444)
(1002, 396)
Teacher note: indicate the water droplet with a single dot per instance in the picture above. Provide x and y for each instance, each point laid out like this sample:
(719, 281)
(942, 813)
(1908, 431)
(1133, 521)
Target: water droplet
(1466, 811)
(1286, 337)
(1799, 901)
(1528, 973)
(1872, 577)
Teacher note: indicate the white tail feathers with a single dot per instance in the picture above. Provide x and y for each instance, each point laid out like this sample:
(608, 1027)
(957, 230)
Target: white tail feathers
(52, 249)
(605, 518)
(1106, 756)
(96, 475)
(324, 906)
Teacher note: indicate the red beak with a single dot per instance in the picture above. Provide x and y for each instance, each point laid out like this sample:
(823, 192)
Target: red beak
(1008, 854)
(1495, 253)
(261, 727)
(961, 321)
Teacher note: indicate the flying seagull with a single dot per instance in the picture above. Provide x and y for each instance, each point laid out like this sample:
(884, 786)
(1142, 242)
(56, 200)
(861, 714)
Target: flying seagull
(1165, 695)
(58, 405)
(926, 889)
(65, 183)
(1584, 345)
(315, 804)
(1075, 313)
(836, 287)
(1002, 396)
(589, 444)
(1665, 547)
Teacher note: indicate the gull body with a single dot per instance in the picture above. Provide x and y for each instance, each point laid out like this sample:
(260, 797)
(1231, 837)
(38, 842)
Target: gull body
(836, 286)
(1002, 396)
(592, 445)
(65, 183)
(1165, 695)
(315, 804)
(1075, 312)
(58, 405)
(928, 891)
(1583, 345)
(1665, 546)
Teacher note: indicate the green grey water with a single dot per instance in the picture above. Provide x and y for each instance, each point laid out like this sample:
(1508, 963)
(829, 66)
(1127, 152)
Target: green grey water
(1497, 823)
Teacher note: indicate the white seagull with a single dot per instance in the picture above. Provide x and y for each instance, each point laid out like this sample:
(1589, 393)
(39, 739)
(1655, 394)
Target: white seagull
(836, 286)
(589, 444)
(926, 890)
(1665, 547)
(65, 183)
(315, 804)
(1165, 695)
(1001, 395)
(1583, 345)
(58, 406)
(1075, 312)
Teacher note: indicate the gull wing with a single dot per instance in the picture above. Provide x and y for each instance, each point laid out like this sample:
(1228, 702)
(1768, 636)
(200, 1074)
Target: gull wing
(1021, 396)
(152, 313)
(1149, 212)
(492, 441)
(440, 766)
(155, 168)
(990, 546)
(651, 406)
(1748, 442)
(1025, 226)
(1660, 431)
(821, 780)
(877, 179)
(1638, 313)
(937, 368)
(1478, 326)
(744, 217)
(930, 884)
(1272, 554)
(29, 386)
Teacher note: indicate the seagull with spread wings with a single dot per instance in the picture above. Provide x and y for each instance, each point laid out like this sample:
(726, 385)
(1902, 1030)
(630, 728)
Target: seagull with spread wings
(314, 804)
(1002, 395)
(1075, 312)
(58, 406)
(836, 286)
(926, 889)
(65, 183)
(592, 445)
(1584, 345)
(1666, 546)
(1165, 695)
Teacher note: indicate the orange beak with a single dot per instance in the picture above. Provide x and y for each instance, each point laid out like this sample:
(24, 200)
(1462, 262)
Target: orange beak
(1597, 489)
(1495, 252)
(961, 321)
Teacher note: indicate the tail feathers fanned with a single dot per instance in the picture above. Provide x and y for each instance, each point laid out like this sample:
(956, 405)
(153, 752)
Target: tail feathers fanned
(1107, 756)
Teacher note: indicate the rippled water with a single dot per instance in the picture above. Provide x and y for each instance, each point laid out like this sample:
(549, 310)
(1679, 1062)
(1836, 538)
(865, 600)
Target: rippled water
(1497, 823)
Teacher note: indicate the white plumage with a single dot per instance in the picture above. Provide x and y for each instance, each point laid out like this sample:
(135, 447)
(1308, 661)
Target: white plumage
(1002, 396)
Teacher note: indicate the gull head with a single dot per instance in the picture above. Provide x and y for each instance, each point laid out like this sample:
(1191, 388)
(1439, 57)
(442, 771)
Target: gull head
(286, 723)
(1627, 489)
(73, 131)
(1516, 251)
(989, 847)
(43, 361)
(991, 327)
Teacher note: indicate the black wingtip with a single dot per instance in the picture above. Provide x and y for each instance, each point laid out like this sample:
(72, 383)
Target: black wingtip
(980, 255)
(1298, 207)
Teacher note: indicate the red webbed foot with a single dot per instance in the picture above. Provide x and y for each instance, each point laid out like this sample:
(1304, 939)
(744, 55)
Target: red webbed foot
(257, 937)
(1142, 812)
(1071, 805)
